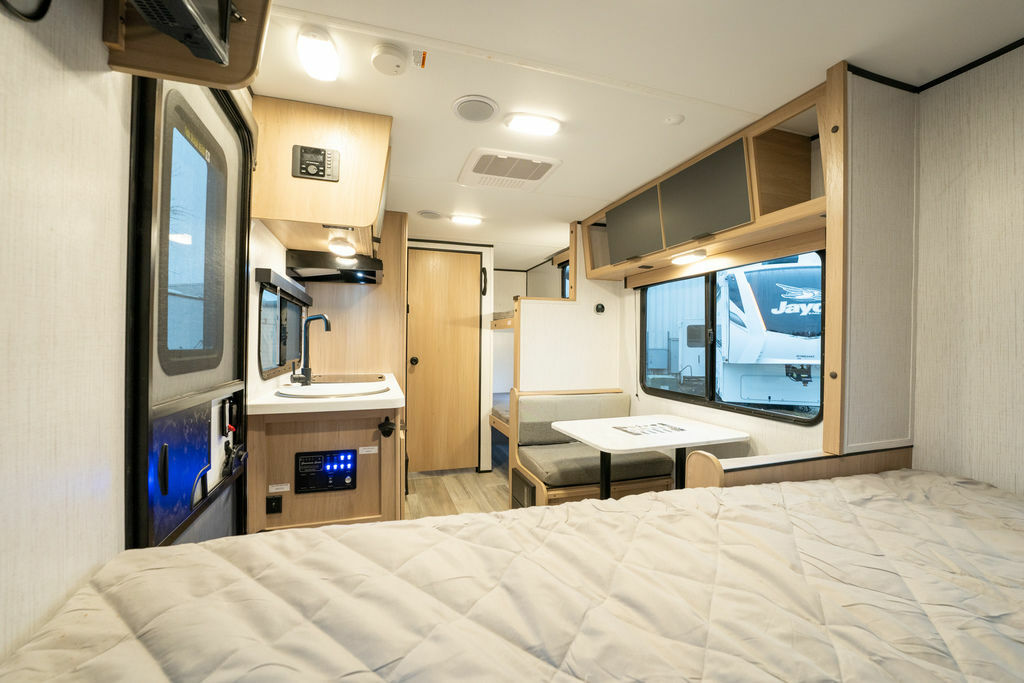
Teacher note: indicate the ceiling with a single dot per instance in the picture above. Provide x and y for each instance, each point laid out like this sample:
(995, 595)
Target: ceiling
(611, 72)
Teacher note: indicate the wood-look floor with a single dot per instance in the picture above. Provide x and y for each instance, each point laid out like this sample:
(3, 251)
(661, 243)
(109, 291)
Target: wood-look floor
(451, 492)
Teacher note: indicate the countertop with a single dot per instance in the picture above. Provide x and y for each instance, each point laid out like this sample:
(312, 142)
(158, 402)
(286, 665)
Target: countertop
(269, 403)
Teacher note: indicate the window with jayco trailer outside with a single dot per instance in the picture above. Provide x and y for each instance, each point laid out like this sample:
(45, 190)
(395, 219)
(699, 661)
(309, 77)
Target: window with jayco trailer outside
(747, 338)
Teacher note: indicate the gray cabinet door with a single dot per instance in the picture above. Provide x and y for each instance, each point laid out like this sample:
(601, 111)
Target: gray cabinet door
(634, 227)
(706, 197)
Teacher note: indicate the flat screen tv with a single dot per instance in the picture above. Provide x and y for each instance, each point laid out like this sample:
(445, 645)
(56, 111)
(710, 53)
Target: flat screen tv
(200, 25)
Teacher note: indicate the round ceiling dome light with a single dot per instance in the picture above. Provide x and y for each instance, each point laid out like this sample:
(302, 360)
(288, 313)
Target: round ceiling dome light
(341, 246)
(388, 59)
(428, 214)
(317, 54)
(475, 108)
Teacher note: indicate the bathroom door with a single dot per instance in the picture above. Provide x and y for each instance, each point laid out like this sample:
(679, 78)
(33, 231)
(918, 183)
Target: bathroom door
(443, 364)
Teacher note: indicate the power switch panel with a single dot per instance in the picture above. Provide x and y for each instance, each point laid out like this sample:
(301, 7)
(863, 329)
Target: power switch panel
(274, 505)
(325, 471)
(315, 163)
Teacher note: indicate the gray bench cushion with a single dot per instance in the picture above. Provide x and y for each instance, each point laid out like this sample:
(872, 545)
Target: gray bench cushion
(575, 464)
(536, 413)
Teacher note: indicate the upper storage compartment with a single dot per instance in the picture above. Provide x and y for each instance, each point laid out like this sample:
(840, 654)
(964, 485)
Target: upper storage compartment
(707, 197)
(787, 160)
(303, 209)
(760, 184)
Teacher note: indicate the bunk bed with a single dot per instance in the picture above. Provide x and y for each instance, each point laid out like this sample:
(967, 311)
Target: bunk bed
(500, 412)
(905, 575)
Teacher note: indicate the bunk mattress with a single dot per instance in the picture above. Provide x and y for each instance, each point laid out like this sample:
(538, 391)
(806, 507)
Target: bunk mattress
(501, 407)
(905, 575)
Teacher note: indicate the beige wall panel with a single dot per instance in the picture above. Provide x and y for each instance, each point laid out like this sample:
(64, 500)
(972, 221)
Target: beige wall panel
(62, 271)
(881, 182)
(508, 284)
(970, 319)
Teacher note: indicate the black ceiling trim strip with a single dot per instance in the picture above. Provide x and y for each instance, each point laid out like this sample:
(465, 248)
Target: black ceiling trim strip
(884, 80)
(976, 63)
(916, 89)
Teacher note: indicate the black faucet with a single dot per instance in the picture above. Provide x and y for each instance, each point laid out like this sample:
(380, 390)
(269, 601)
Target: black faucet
(305, 375)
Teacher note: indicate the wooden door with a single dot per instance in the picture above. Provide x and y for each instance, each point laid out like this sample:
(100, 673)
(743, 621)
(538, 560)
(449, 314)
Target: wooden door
(443, 365)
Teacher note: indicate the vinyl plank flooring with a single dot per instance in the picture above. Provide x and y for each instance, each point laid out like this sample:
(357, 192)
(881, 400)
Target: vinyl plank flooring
(449, 492)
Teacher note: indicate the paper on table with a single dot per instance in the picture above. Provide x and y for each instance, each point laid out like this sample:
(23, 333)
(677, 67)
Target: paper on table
(654, 428)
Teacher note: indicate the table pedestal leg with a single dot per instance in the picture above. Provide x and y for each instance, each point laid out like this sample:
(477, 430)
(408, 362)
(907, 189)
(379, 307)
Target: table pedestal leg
(680, 468)
(606, 475)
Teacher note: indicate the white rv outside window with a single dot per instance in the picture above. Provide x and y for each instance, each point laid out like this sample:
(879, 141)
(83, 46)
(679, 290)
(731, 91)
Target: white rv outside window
(746, 339)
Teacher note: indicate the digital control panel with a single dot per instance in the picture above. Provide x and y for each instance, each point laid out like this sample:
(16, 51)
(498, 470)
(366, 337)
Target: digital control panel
(315, 162)
(325, 471)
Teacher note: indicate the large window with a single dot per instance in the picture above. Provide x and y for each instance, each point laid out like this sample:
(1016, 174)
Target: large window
(746, 338)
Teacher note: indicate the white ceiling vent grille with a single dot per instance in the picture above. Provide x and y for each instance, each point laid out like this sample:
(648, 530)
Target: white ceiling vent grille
(510, 170)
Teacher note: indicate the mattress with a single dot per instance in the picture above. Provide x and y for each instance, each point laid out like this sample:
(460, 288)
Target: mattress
(500, 407)
(905, 575)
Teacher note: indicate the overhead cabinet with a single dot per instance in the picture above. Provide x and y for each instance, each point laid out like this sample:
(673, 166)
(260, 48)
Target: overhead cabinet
(634, 227)
(296, 205)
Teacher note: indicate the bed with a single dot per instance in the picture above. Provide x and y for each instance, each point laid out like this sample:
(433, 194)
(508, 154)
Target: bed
(903, 575)
(500, 412)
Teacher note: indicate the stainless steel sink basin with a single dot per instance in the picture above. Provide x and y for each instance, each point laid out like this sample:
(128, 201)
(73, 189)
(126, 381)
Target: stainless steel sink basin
(336, 386)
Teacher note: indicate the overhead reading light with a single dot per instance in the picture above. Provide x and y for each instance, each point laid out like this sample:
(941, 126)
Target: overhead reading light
(466, 220)
(318, 55)
(341, 246)
(690, 257)
(533, 124)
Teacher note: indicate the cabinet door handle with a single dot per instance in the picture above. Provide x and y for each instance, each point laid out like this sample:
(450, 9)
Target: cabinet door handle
(162, 473)
(414, 361)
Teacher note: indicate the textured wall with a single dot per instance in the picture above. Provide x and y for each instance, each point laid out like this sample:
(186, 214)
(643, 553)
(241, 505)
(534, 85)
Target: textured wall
(64, 141)
(970, 318)
(545, 280)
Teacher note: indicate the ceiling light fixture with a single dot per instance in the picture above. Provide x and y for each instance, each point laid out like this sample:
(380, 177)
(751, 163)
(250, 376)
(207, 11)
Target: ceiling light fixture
(533, 124)
(428, 214)
(318, 55)
(690, 257)
(459, 219)
(341, 246)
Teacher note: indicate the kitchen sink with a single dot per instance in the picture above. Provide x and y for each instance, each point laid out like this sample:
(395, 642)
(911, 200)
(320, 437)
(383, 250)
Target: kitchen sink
(336, 386)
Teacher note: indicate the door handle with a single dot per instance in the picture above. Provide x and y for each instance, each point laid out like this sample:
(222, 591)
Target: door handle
(414, 361)
(483, 285)
(162, 471)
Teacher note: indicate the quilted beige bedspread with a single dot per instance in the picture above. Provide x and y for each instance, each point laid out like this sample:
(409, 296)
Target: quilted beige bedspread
(905, 575)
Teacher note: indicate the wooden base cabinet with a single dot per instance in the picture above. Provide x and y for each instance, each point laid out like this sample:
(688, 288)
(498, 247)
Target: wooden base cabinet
(274, 499)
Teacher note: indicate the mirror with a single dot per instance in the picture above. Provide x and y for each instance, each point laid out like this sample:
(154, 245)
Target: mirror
(280, 341)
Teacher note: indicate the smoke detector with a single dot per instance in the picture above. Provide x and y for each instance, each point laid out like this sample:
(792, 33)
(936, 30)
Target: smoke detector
(388, 59)
(475, 108)
(509, 170)
(428, 214)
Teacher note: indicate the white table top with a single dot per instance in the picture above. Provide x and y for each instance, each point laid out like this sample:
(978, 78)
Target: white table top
(604, 433)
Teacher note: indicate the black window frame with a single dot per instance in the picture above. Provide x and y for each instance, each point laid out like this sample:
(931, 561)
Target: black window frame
(563, 268)
(710, 338)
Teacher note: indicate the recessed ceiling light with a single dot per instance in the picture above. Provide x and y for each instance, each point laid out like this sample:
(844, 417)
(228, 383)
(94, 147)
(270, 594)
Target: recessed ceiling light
(318, 55)
(533, 124)
(458, 219)
(341, 246)
(475, 108)
(428, 214)
(690, 257)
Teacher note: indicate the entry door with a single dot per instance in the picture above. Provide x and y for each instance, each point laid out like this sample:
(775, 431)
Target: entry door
(443, 364)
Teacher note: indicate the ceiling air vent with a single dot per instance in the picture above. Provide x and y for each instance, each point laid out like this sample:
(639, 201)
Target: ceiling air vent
(510, 170)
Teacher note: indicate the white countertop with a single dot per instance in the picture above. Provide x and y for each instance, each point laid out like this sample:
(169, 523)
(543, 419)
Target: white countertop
(604, 433)
(269, 403)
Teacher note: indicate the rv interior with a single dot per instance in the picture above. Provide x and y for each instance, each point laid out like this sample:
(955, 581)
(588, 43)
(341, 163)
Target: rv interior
(512, 341)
